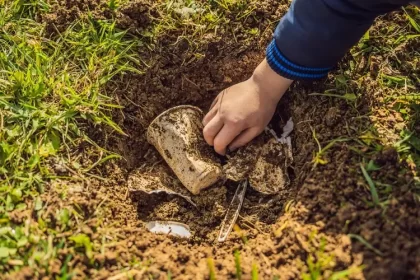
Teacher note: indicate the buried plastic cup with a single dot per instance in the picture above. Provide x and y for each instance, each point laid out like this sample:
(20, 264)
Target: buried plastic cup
(270, 172)
(177, 135)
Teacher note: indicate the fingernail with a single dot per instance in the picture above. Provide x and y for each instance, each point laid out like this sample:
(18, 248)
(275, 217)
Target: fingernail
(231, 149)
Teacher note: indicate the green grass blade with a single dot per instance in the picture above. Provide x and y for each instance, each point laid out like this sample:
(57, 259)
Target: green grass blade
(364, 242)
(373, 191)
(255, 271)
(347, 96)
(412, 21)
(212, 269)
(238, 265)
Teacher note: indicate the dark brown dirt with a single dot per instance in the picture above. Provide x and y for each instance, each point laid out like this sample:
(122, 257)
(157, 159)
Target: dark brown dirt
(310, 220)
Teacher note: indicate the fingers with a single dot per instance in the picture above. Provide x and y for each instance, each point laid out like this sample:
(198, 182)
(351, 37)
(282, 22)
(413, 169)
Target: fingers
(210, 115)
(225, 136)
(244, 138)
(211, 129)
(212, 111)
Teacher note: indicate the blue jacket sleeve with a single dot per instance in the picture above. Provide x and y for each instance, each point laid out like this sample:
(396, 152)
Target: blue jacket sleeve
(315, 34)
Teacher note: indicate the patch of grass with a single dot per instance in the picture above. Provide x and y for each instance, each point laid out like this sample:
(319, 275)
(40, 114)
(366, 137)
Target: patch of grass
(319, 155)
(351, 97)
(196, 22)
(318, 262)
(51, 92)
(413, 22)
(241, 233)
(384, 74)
(115, 4)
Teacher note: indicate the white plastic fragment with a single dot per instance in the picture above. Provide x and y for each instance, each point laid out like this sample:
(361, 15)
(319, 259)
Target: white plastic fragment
(273, 133)
(233, 211)
(169, 228)
(285, 138)
(287, 129)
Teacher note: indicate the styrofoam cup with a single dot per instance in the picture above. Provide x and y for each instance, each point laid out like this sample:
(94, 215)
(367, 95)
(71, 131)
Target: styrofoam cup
(177, 135)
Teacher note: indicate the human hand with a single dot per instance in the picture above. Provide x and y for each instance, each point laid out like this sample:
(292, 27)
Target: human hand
(241, 112)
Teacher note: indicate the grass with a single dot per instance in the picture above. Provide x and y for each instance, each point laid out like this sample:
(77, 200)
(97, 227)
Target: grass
(372, 187)
(254, 272)
(51, 91)
(318, 157)
(390, 86)
(195, 22)
(212, 269)
(365, 243)
(319, 264)
(237, 255)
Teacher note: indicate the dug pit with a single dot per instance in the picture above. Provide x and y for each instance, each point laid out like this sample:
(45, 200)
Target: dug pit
(164, 193)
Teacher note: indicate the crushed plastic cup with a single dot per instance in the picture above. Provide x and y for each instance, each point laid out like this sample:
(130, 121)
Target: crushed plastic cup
(177, 135)
(270, 172)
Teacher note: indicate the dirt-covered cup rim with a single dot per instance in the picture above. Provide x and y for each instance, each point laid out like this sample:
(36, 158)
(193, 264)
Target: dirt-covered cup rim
(169, 111)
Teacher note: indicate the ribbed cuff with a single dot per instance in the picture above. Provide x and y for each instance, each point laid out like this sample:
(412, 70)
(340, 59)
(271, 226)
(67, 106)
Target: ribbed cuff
(284, 67)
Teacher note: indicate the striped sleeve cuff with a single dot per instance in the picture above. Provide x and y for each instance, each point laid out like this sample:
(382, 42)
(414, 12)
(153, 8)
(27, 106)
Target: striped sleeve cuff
(285, 68)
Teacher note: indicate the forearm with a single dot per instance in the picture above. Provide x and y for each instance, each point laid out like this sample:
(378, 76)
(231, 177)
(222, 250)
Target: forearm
(315, 34)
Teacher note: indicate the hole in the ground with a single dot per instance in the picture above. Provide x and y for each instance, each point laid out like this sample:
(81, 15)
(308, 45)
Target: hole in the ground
(257, 213)
(204, 212)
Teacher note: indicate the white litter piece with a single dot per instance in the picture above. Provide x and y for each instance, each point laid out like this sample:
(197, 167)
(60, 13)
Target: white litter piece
(273, 133)
(233, 211)
(285, 138)
(169, 228)
(287, 129)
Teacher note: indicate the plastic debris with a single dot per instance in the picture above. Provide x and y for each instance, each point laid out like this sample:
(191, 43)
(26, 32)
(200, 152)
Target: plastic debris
(269, 175)
(169, 228)
(177, 136)
(287, 129)
(233, 211)
(285, 136)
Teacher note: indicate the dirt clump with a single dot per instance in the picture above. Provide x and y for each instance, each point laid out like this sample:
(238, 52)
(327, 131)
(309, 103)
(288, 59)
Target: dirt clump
(241, 162)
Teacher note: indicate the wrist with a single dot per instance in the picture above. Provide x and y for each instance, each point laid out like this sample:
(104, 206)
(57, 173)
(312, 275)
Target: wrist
(269, 82)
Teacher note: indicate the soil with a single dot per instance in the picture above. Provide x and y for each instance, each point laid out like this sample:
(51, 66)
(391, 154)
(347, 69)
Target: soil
(279, 233)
